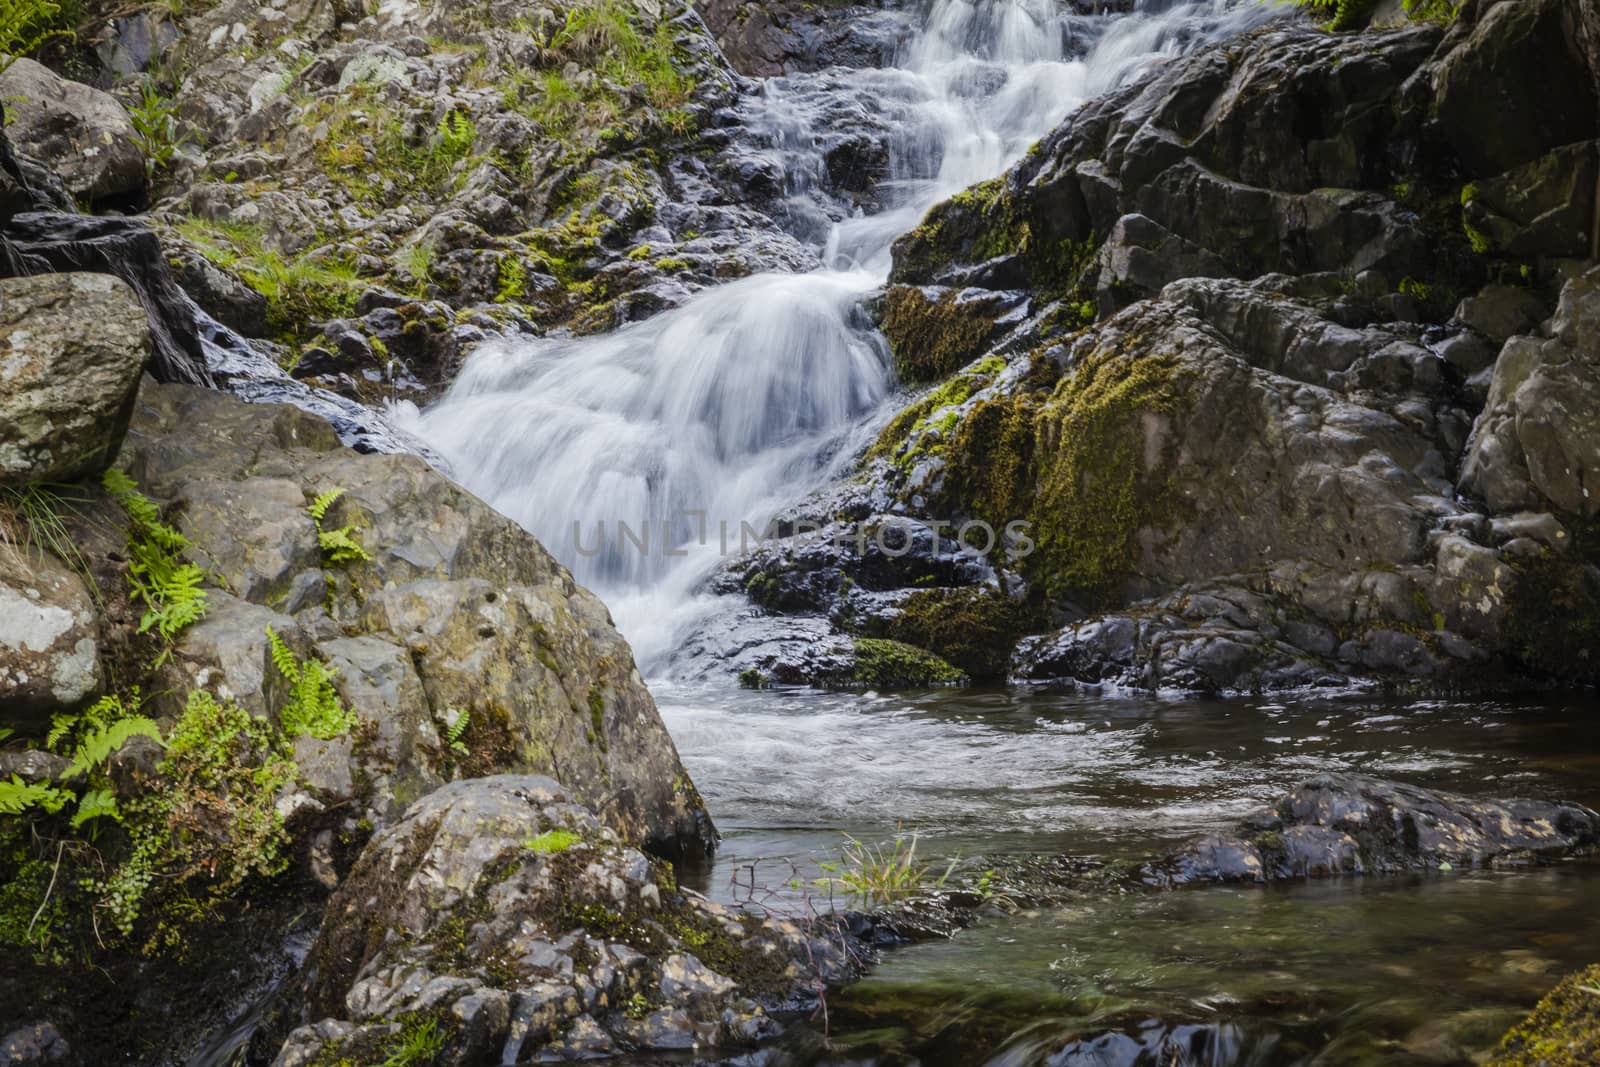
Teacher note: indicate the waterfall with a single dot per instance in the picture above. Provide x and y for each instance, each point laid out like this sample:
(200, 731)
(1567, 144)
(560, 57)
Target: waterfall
(752, 394)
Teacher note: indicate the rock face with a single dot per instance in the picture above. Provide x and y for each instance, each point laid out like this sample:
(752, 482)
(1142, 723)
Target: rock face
(1367, 461)
(84, 134)
(1535, 447)
(72, 349)
(520, 923)
(1345, 824)
(457, 610)
(49, 628)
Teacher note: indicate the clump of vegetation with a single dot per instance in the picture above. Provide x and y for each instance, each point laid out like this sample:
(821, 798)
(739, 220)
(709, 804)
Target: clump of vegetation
(96, 860)
(158, 575)
(155, 127)
(1563, 1031)
(33, 524)
(931, 338)
(885, 664)
(1342, 14)
(932, 412)
(883, 874)
(552, 841)
(972, 629)
(25, 25)
(301, 290)
(313, 707)
(340, 545)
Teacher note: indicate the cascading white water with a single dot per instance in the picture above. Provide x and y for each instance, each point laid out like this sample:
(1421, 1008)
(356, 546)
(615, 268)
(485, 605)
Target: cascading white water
(754, 393)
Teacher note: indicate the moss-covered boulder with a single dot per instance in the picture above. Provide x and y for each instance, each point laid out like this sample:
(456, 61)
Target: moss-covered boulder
(1563, 1031)
(508, 923)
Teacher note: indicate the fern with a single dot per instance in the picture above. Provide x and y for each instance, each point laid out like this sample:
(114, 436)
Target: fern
(94, 804)
(98, 747)
(158, 576)
(313, 708)
(318, 508)
(17, 796)
(339, 546)
(5, 732)
(457, 729)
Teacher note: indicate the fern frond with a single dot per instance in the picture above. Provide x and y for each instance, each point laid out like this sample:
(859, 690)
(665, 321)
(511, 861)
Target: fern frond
(318, 508)
(341, 546)
(282, 658)
(99, 745)
(17, 796)
(95, 804)
(456, 730)
(60, 725)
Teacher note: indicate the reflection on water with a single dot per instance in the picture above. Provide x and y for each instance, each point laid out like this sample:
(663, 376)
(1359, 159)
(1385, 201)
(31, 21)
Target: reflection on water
(1408, 970)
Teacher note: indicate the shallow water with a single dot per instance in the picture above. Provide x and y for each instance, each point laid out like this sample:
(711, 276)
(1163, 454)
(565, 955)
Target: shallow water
(1372, 970)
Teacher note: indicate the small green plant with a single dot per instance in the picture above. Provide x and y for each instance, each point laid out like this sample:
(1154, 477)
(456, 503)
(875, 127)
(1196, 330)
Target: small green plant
(25, 25)
(313, 707)
(419, 1041)
(1440, 11)
(158, 575)
(155, 128)
(300, 290)
(17, 796)
(416, 262)
(513, 280)
(882, 874)
(1344, 14)
(456, 729)
(33, 524)
(1418, 291)
(552, 841)
(339, 546)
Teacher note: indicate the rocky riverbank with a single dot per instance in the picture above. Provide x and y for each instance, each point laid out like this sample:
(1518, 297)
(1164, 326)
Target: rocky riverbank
(1283, 354)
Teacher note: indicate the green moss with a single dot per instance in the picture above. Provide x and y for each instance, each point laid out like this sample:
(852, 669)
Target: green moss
(886, 664)
(928, 413)
(752, 679)
(932, 338)
(1563, 1031)
(990, 454)
(1099, 483)
(971, 629)
(552, 841)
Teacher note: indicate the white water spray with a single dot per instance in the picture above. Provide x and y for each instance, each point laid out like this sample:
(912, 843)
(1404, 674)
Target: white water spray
(752, 394)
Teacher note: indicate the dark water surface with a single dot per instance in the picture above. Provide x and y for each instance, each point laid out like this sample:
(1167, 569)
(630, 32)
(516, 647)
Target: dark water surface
(1382, 970)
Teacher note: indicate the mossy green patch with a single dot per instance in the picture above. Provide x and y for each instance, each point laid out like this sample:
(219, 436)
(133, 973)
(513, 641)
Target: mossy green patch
(885, 664)
(1102, 476)
(932, 338)
(552, 841)
(1563, 1031)
(971, 629)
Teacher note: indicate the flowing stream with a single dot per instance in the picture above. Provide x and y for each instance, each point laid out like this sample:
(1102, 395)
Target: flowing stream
(752, 394)
(756, 392)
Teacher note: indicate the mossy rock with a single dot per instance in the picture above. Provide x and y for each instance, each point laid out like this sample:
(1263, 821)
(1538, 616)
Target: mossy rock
(931, 338)
(1103, 475)
(1563, 1031)
(972, 629)
(990, 456)
(885, 664)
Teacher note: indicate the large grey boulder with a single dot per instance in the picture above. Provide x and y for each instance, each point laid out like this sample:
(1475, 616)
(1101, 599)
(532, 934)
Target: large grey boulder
(530, 931)
(1537, 443)
(72, 348)
(81, 133)
(457, 611)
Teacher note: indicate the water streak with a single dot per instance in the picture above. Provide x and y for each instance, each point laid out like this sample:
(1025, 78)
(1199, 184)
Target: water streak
(754, 393)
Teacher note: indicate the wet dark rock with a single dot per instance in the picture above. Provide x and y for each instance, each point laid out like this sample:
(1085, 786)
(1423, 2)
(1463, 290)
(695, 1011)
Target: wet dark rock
(41, 242)
(38, 1043)
(1515, 87)
(762, 38)
(1347, 824)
